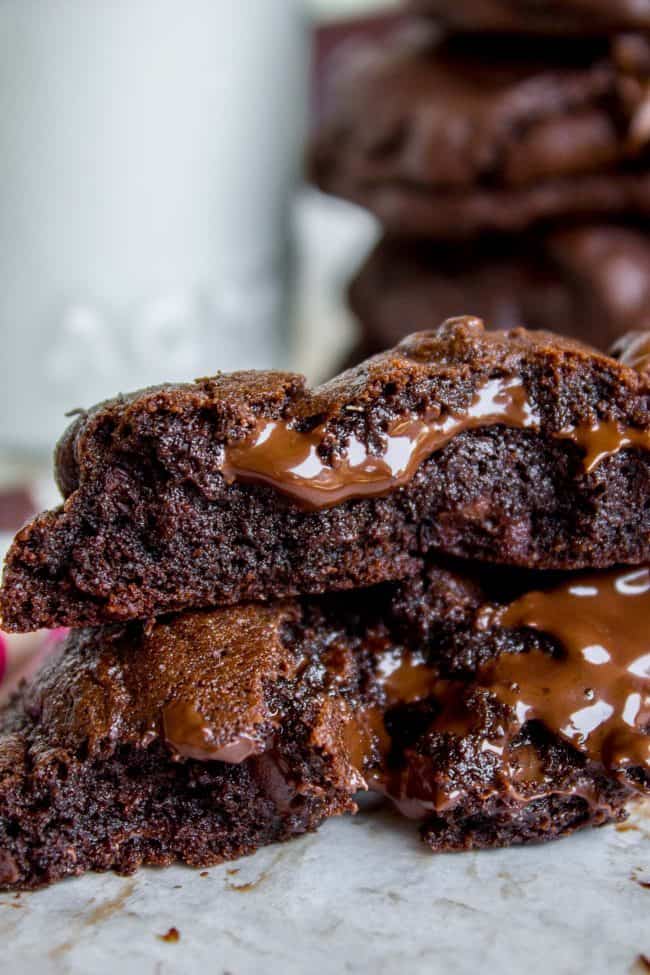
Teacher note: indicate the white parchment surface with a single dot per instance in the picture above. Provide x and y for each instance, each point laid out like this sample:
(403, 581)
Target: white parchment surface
(362, 895)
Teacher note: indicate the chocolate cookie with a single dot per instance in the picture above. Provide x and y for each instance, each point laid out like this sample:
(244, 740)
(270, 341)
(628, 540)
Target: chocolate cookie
(514, 447)
(200, 740)
(590, 282)
(631, 52)
(550, 17)
(523, 717)
(210, 734)
(457, 139)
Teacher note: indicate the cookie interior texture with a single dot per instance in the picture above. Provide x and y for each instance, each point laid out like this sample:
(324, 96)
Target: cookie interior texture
(206, 735)
(200, 739)
(554, 475)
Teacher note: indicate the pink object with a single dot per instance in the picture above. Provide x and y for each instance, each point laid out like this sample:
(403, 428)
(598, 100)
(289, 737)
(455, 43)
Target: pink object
(53, 637)
(3, 656)
(21, 657)
(16, 506)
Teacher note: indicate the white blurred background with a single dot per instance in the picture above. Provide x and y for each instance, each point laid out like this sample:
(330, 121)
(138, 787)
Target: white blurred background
(154, 221)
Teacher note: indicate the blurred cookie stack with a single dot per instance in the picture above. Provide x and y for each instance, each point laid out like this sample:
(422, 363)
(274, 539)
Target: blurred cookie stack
(504, 146)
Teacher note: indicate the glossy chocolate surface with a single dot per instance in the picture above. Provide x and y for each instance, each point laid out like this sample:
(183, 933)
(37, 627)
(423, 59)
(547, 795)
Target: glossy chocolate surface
(289, 461)
(593, 692)
(205, 735)
(284, 458)
(596, 693)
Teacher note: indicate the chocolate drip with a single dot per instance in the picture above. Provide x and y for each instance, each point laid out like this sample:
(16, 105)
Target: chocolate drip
(289, 460)
(191, 736)
(605, 439)
(595, 694)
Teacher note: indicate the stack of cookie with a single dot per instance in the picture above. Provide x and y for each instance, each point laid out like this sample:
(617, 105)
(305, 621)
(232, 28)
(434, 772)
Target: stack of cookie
(428, 577)
(505, 149)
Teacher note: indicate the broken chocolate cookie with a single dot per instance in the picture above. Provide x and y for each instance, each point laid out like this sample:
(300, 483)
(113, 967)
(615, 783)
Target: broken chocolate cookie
(519, 448)
(491, 711)
(199, 740)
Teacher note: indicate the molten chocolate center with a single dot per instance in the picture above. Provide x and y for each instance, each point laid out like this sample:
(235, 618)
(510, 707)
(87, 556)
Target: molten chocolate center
(595, 694)
(191, 736)
(290, 460)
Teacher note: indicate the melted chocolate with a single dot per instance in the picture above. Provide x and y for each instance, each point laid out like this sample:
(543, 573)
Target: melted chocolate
(274, 780)
(595, 694)
(289, 460)
(604, 439)
(405, 678)
(359, 737)
(191, 736)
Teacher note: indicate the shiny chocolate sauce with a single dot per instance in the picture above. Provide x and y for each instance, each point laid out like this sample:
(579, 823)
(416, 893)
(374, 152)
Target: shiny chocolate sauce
(190, 735)
(405, 677)
(402, 678)
(605, 439)
(595, 694)
(289, 460)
